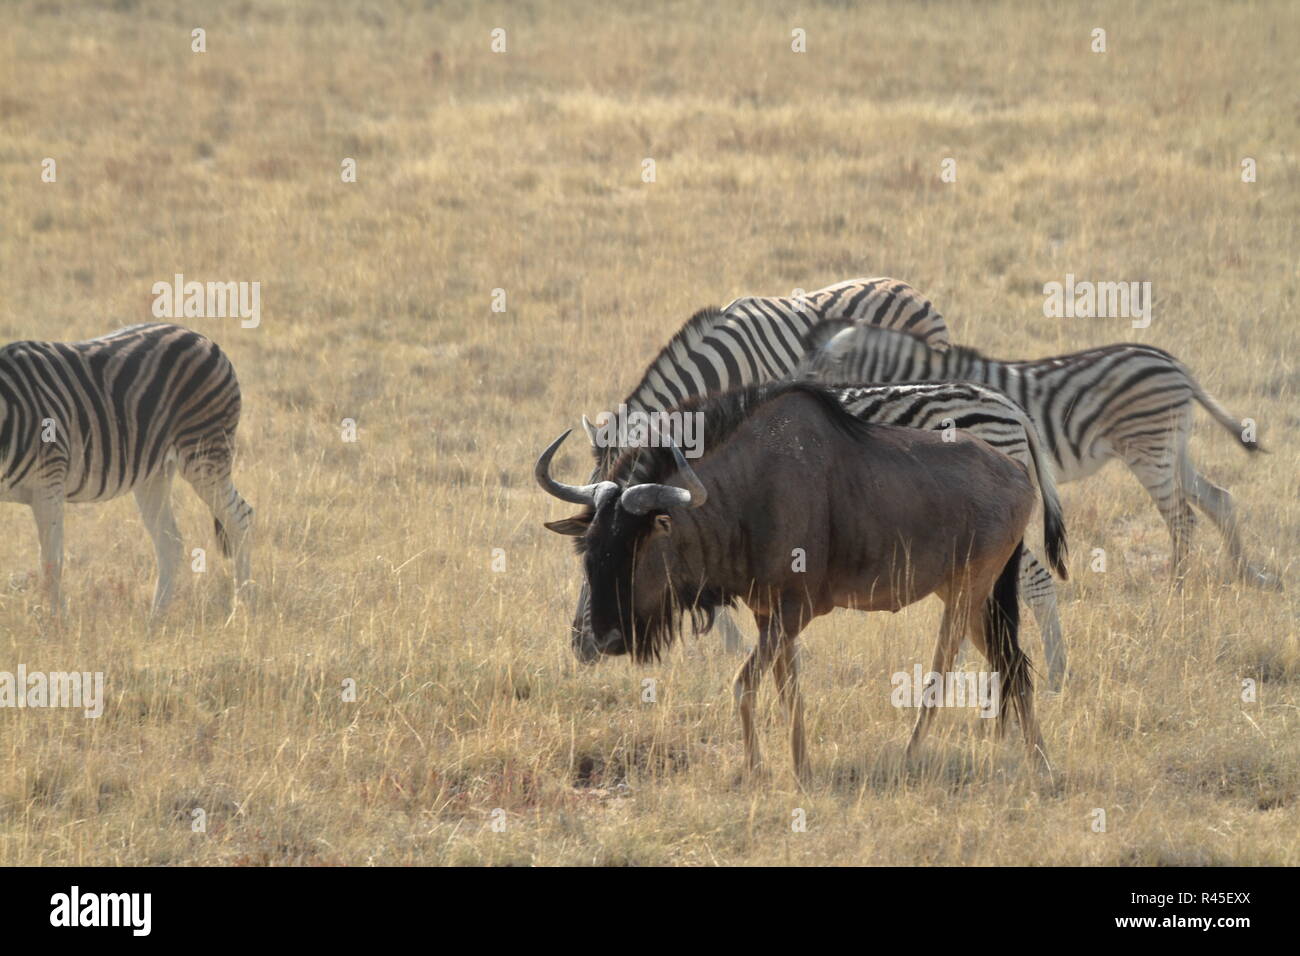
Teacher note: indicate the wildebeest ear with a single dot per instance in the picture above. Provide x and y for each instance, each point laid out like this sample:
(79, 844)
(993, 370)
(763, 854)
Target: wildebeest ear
(577, 525)
(663, 524)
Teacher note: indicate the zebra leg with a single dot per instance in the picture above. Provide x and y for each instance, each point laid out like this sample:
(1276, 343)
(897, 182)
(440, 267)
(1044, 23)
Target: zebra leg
(1156, 461)
(47, 509)
(1217, 503)
(154, 498)
(234, 523)
(733, 640)
(1165, 487)
(1039, 591)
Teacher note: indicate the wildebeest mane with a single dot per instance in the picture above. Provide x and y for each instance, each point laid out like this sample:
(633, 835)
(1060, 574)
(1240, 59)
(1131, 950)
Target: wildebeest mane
(724, 412)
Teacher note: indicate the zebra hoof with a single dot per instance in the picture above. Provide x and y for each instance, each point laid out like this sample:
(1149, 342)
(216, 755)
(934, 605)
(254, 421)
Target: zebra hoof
(246, 597)
(1261, 579)
(1055, 682)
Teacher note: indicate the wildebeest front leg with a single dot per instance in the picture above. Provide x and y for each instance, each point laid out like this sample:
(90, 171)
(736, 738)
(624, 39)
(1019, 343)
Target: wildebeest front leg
(750, 675)
(785, 669)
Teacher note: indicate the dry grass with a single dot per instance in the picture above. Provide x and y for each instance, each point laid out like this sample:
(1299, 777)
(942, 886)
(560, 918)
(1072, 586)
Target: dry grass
(522, 171)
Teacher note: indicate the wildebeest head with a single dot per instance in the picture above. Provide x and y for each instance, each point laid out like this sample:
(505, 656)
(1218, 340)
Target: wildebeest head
(623, 536)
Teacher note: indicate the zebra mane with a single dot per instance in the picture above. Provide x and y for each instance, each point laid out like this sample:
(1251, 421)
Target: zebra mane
(684, 340)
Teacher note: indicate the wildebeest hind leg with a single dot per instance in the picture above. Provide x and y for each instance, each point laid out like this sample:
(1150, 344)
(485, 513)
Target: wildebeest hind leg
(956, 610)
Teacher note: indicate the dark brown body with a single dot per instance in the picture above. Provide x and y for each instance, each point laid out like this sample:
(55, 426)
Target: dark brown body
(797, 508)
(931, 507)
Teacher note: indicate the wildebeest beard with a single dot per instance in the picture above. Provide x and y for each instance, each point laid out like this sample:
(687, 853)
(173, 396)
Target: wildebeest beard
(650, 628)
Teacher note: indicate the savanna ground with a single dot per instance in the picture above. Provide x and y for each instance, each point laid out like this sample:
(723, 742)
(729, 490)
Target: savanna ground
(522, 171)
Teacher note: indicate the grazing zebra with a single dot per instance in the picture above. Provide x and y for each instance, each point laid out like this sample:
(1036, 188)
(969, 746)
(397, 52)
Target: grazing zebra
(1131, 402)
(989, 415)
(88, 421)
(760, 339)
(753, 340)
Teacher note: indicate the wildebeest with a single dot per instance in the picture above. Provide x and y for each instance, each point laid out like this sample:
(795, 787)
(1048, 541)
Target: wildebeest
(756, 339)
(883, 516)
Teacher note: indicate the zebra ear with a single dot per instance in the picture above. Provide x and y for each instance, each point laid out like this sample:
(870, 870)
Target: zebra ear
(823, 332)
(576, 526)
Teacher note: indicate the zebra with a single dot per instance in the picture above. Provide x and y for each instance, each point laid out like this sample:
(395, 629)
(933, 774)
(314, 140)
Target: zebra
(756, 339)
(989, 415)
(89, 421)
(1127, 401)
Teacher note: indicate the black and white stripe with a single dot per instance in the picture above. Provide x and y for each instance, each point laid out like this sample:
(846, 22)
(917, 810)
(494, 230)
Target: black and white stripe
(1131, 402)
(991, 416)
(89, 421)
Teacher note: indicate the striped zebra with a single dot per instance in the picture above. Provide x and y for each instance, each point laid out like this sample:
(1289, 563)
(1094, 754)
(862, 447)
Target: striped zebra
(760, 339)
(1131, 402)
(989, 415)
(88, 421)
(756, 339)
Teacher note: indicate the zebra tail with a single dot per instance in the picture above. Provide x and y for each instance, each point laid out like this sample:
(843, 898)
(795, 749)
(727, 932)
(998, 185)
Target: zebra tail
(1220, 414)
(222, 538)
(1058, 550)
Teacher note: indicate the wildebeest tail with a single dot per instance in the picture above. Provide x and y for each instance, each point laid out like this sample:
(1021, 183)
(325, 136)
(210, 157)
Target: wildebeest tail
(1002, 632)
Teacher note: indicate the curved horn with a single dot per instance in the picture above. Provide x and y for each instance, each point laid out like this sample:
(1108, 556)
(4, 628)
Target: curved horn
(577, 494)
(641, 499)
